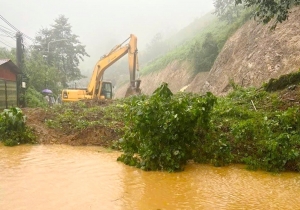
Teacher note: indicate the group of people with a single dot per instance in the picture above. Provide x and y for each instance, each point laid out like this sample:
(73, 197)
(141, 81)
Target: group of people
(50, 99)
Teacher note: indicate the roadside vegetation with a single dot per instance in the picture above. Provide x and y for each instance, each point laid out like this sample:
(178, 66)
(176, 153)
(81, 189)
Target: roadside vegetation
(162, 131)
(249, 126)
(13, 128)
(255, 127)
(259, 128)
(70, 118)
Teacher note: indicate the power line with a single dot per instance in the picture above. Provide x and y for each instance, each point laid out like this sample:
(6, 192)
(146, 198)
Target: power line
(31, 39)
(4, 40)
(6, 44)
(6, 35)
(8, 23)
(7, 32)
(6, 29)
(17, 30)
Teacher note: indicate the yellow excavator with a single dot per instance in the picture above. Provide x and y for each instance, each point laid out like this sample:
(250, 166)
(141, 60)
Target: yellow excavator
(100, 90)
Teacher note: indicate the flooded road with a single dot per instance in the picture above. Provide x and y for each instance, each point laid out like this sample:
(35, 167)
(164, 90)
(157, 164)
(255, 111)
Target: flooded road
(64, 177)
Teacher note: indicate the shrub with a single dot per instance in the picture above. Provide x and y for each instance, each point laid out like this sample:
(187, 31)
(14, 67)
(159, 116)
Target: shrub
(163, 131)
(283, 82)
(34, 98)
(13, 130)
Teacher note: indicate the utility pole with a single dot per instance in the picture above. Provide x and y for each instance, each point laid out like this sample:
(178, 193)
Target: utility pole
(20, 64)
(20, 51)
(58, 40)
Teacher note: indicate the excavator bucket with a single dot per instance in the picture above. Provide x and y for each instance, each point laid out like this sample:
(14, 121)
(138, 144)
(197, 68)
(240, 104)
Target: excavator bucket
(133, 90)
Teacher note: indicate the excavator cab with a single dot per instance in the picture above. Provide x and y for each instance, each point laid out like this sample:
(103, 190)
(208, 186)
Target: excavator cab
(106, 90)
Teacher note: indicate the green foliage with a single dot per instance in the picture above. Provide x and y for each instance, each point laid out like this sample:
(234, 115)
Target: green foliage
(6, 54)
(265, 11)
(227, 10)
(34, 98)
(163, 130)
(53, 69)
(263, 138)
(66, 54)
(13, 130)
(203, 56)
(248, 127)
(283, 82)
(40, 74)
(278, 153)
(77, 116)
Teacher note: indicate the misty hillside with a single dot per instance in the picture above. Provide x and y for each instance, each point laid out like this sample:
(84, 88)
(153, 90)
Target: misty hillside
(249, 54)
(157, 47)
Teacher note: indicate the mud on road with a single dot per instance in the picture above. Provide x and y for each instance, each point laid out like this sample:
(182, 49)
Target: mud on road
(36, 119)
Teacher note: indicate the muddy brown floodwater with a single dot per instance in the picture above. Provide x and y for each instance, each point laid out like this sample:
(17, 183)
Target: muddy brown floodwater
(65, 177)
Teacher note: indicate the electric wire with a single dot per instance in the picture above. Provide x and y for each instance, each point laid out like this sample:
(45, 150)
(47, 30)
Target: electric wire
(6, 44)
(17, 30)
(31, 39)
(11, 35)
(8, 35)
(8, 23)
(7, 29)
(5, 35)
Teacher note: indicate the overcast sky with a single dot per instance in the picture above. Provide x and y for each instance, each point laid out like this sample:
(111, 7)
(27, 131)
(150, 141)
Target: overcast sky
(101, 24)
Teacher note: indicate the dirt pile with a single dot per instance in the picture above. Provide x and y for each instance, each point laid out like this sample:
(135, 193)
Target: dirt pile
(36, 118)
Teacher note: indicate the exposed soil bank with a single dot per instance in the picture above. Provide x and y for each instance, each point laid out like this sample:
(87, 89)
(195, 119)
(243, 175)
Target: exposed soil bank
(36, 117)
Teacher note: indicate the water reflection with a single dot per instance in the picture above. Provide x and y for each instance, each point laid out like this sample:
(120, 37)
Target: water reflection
(64, 177)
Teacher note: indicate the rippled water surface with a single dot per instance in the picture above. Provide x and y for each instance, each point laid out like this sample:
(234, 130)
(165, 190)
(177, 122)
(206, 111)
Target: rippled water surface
(65, 177)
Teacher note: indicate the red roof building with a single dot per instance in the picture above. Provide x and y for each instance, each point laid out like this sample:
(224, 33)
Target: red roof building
(8, 84)
(8, 70)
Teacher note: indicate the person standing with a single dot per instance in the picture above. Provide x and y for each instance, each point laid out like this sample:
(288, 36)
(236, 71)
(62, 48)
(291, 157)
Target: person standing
(47, 99)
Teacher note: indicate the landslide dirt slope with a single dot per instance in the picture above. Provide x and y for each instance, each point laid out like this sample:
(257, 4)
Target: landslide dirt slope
(177, 75)
(250, 57)
(253, 55)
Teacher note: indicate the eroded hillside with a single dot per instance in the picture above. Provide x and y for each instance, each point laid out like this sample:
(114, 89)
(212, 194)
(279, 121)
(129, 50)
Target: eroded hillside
(177, 75)
(250, 57)
(253, 55)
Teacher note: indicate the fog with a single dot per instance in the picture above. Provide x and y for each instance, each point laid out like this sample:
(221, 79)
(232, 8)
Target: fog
(100, 24)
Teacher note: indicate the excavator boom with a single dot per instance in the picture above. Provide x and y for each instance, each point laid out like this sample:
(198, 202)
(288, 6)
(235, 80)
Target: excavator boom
(95, 88)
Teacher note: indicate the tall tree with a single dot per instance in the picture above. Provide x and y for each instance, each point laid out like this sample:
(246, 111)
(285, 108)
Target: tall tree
(62, 49)
(227, 10)
(40, 74)
(204, 55)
